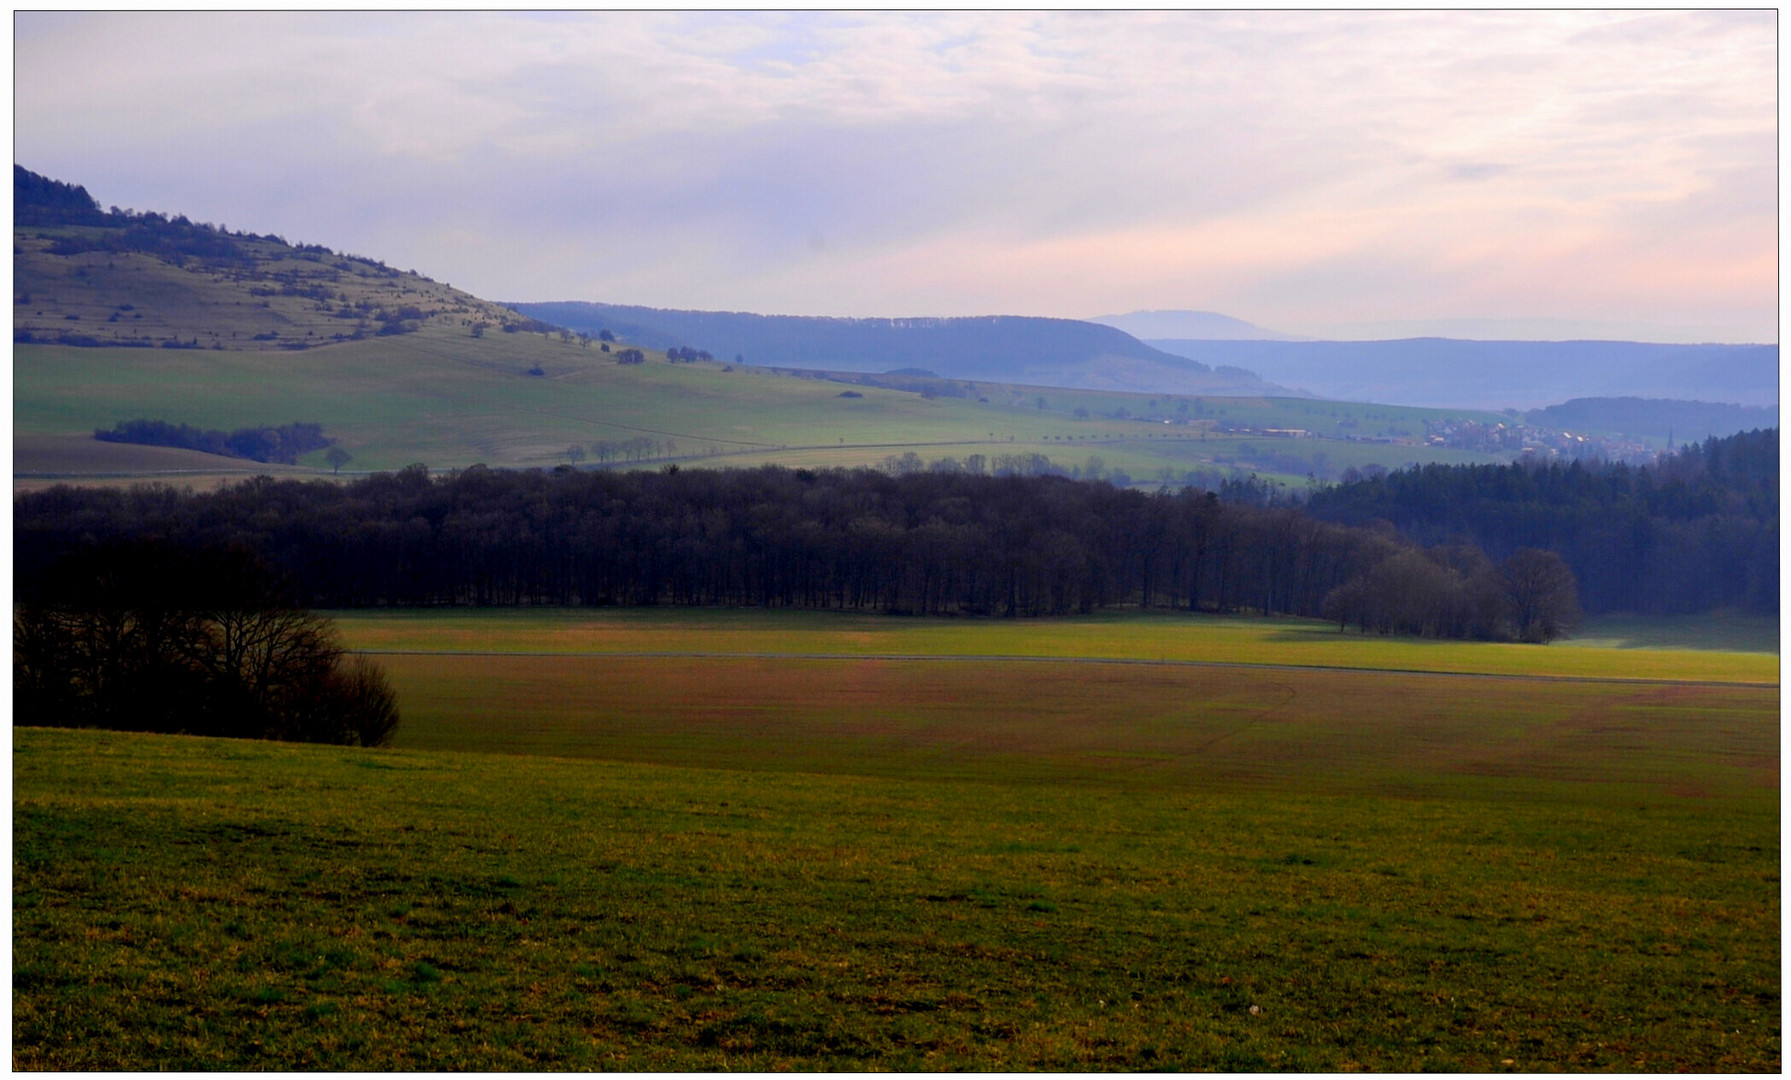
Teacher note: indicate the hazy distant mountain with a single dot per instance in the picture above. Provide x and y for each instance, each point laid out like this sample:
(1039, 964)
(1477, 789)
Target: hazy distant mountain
(1448, 373)
(1192, 325)
(997, 348)
(1684, 421)
(1530, 329)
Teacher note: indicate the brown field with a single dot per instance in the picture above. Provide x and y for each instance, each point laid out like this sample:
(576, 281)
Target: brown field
(1054, 720)
(42, 461)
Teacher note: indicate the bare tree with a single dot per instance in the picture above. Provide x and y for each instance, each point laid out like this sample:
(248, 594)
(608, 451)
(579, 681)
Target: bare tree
(1541, 596)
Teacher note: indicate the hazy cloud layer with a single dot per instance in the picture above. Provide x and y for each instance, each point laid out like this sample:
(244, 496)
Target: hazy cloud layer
(1312, 172)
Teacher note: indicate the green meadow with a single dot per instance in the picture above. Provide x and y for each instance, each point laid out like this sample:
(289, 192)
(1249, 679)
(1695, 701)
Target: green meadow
(1733, 649)
(449, 400)
(708, 840)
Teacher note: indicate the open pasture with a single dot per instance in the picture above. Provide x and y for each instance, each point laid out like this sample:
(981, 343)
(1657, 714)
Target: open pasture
(761, 862)
(449, 400)
(43, 461)
(1714, 632)
(1150, 636)
(1138, 725)
(187, 903)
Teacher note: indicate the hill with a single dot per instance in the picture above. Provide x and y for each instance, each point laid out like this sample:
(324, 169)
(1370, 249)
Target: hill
(1681, 421)
(997, 348)
(122, 316)
(524, 399)
(86, 277)
(1443, 372)
(1191, 325)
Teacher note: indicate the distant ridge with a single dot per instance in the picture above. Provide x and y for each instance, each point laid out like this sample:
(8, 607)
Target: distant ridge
(1453, 373)
(1683, 421)
(996, 348)
(1191, 325)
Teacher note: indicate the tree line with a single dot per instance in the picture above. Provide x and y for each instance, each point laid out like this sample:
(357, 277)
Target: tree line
(937, 543)
(1698, 530)
(141, 635)
(282, 445)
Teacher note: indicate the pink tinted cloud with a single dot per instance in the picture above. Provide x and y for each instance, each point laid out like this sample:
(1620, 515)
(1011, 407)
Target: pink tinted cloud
(1292, 168)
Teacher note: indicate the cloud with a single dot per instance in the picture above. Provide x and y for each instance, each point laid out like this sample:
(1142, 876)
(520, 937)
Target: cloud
(1504, 164)
(1478, 170)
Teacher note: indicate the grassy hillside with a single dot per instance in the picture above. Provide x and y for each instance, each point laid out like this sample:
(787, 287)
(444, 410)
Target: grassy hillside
(444, 398)
(268, 296)
(46, 456)
(122, 317)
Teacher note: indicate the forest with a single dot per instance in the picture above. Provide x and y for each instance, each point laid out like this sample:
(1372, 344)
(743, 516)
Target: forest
(937, 543)
(1698, 530)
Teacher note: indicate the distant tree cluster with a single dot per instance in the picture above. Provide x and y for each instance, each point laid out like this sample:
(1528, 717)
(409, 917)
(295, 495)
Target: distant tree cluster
(636, 449)
(282, 445)
(686, 355)
(630, 356)
(169, 239)
(925, 541)
(528, 325)
(141, 636)
(1229, 485)
(1698, 530)
(1455, 591)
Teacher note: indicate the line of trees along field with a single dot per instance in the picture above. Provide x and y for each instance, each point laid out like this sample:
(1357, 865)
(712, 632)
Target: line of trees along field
(1696, 531)
(929, 543)
(284, 444)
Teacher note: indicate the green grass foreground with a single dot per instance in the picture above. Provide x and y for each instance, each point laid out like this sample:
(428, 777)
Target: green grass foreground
(187, 903)
(827, 858)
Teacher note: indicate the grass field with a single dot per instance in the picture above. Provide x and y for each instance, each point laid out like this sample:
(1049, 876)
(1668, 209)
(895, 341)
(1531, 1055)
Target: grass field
(448, 400)
(703, 861)
(42, 461)
(1716, 631)
(1702, 653)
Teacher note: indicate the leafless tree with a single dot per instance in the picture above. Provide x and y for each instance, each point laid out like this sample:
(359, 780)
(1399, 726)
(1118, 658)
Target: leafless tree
(1540, 593)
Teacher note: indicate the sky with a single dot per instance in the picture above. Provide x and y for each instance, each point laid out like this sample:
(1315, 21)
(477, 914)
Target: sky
(1332, 174)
